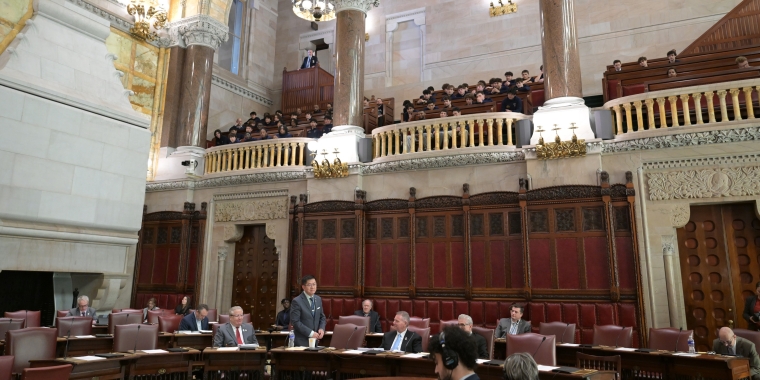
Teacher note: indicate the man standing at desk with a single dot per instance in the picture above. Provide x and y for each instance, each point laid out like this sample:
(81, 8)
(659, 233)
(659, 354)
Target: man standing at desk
(306, 313)
(196, 320)
(402, 339)
(730, 344)
(514, 325)
(82, 309)
(310, 60)
(374, 318)
(235, 332)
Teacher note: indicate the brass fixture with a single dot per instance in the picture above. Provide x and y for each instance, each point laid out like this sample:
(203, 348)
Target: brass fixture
(338, 169)
(502, 9)
(145, 12)
(560, 149)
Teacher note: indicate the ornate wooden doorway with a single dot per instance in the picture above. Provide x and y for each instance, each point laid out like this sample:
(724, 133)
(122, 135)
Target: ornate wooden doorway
(718, 251)
(256, 265)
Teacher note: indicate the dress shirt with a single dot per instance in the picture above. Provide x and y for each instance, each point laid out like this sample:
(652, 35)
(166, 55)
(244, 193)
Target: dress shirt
(400, 339)
(198, 322)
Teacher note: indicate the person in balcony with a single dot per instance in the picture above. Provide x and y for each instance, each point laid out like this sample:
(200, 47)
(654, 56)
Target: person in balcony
(509, 79)
(461, 92)
(233, 138)
(672, 72)
(540, 78)
(409, 113)
(431, 106)
(366, 103)
(426, 96)
(248, 134)
(617, 65)
(312, 132)
(480, 98)
(447, 103)
(469, 99)
(263, 135)
(268, 121)
(308, 117)
(253, 119)
(520, 85)
(316, 109)
(275, 119)
(643, 62)
(449, 91)
(526, 79)
(328, 125)
(672, 57)
(512, 103)
(282, 132)
(220, 139)
(742, 62)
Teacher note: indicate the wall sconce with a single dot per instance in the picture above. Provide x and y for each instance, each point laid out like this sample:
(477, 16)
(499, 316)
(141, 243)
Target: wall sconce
(337, 169)
(560, 149)
(366, 36)
(502, 9)
(145, 12)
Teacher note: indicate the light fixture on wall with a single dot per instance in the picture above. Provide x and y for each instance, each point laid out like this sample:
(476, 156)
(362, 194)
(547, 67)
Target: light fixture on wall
(560, 149)
(502, 9)
(366, 36)
(145, 12)
(314, 10)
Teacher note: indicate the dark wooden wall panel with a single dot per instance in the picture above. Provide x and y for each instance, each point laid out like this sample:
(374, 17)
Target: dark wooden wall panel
(347, 265)
(626, 264)
(567, 263)
(597, 263)
(540, 263)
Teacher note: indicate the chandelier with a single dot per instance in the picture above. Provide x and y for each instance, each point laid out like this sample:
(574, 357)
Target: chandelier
(145, 12)
(314, 10)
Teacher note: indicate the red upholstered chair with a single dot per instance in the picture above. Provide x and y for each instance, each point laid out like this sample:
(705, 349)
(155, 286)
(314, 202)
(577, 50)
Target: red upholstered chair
(8, 324)
(419, 322)
(225, 318)
(489, 335)
(74, 326)
(214, 328)
(752, 336)
(667, 338)
(124, 337)
(424, 333)
(32, 317)
(61, 313)
(6, 367)
(33, 343)
(348, 336)
(613, 336)
(58, 372)
(546, 354)
(564, 332)
(126, 318)
(357, 320)
(169, 323)
(212, 315)
(126, 310)
(443, 324)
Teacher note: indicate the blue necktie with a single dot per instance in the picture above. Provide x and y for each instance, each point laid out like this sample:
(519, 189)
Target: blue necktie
(311, 301)
(396, 343)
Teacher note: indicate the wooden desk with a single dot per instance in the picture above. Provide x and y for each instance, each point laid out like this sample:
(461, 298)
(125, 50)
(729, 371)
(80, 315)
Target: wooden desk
(106, 369)
(196, 341)
(89, 346)
(169, 365)
(234, 364)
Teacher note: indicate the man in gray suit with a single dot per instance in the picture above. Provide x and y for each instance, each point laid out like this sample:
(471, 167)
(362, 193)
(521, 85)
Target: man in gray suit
(306, 313)
(83, 310)
(730, 344)
(235, 332)
(514, 325)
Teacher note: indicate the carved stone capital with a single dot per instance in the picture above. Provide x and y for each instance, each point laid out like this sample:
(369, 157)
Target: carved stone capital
(222, 252)
(357, 5)
(196, 30)
(233, 233)
(668, 245)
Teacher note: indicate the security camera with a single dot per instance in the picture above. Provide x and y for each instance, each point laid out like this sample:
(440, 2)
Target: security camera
(191, 165)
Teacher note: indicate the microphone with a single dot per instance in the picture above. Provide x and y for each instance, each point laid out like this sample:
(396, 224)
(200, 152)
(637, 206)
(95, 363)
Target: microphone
(539, 346)
(565, 333)
(622, 328)
(350, 336)
(137, 336)
(68, 336)
(678, 338)
(26, 318)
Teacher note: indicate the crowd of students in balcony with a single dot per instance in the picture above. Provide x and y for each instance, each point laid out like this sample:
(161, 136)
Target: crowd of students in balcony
(741, 63)
(257, 129)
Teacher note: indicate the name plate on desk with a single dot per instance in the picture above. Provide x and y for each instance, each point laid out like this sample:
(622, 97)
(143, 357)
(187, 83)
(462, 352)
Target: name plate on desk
(155, 351)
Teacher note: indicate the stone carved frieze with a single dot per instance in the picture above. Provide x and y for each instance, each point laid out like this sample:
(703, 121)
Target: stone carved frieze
(196, 30)
(704, 183)
(246, 210)
(226, 181)
(359, 5)
(685, 139)
(443, 162)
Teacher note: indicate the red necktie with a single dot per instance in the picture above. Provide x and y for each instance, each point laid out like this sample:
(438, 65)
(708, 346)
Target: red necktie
(239, 338)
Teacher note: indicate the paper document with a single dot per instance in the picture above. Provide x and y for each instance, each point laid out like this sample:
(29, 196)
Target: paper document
(569, 344)
(206, 331)
(88, 358)
(84, 336)
(296, 348)
(155, 351)
(413, 355)
(625, 349)
(284, 332)
(546, 368)
(254, 345)
(688, 355)
(351, 352)
(481, 361)
(227, 349)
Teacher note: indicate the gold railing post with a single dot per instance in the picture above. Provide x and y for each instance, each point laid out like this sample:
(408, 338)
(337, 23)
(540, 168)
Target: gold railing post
(445, 130)
(748, 102)
(228, 159)
(628, 118)
(454, 127)
(428, 137)
(663, 116)
(639, 116)
(499, 133)
(300, 153)
(437, 132)
(260, 153)
(472, 132)
(697, 96)
(735, 103)
(218, 161)
(685, 107)
(293, 154)
(723, 109)
(490, 132)
(412, 140)
(207, 162)
(266, 156)
(480, 131)
(710, 96)
(673, 101)
(509, 132)
(618, 119)
(650, 113)
(383, 143)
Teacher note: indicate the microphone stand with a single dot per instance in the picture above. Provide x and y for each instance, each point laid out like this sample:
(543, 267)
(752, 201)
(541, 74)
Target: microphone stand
(539, 346)
(68, 336)
(350, 336)
(137, 337)
(567, 326)
(618, 336)
(678, 338)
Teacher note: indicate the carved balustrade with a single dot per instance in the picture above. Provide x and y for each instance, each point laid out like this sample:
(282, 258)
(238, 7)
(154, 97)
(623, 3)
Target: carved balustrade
(685, 106)
(288, 152)
(455, 133)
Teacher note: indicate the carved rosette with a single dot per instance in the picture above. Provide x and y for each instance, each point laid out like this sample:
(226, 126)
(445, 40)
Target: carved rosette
(196, 30)
(357, 5)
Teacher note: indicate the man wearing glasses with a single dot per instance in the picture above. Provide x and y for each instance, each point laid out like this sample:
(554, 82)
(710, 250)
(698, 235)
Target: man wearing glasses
(465, 323)
(306, 313)
(730, 344)
(235, 332)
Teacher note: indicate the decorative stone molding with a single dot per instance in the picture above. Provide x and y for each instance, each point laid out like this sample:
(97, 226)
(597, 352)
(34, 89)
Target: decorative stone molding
(261, 209)
(416, 15)
(115, 21)
(240, 90)
(251, 194)
(685, 139)
(679, 215)
(271, 232)
(706, 183)
(108, 290)
(232, 233)
(668, 245)
(226, 181)
(703, 161)
(391, 24)
(357, 5)
(196, 30)
(221, 252)
(443, 162)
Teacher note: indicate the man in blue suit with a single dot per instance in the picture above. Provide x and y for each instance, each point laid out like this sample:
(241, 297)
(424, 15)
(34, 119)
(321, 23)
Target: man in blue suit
(306, 313)
(195, 321)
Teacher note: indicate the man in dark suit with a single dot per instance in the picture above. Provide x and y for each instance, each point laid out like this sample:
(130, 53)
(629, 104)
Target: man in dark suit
(82, 309)
(514, 325)
(752, 309)
(465, 323)
(401, 339)
(730, 344)
(306, 313)
(455, 354)
(235, 332)
(196, 320)
(374, 318)
(310, 60)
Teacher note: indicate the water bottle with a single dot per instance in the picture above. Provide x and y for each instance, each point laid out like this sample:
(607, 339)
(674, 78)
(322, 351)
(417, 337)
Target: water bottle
(292, 339)
(691, 344)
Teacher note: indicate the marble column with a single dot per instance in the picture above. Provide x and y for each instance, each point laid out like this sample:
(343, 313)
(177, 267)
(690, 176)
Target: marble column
(562, 68)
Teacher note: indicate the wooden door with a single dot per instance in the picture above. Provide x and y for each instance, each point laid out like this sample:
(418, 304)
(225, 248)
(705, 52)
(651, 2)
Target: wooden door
(719, 267)
(255, 285)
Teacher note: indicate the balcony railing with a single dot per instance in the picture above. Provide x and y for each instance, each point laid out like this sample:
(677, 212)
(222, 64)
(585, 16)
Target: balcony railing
(286, 152)
(685, 106)
(480, 130)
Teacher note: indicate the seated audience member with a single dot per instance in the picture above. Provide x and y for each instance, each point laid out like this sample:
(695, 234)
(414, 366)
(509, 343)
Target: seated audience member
(454, 354)
(526, 77)
(446, 102)
(238, 124)
(372, 98)
(443, 114)
(449, 91)
(282, 132)
(328, 108)
(308, 117)
(366, 102)
(520, 366)
(420, 115)
(469, 99)
(312, 132)
(514, 325)
(509, 79)
(404, 114)
(275, 119)
(374, 318)
(293, 124)
(520, 85)
(728, 343)
(220, 139)
(327, 125)
(260, 126)
(196, 320)
(431, 106)
(268, 121)
(465, 323)
(461, 92)
(672, 57)
(458, 129)
(617, 65)
(495, 86)
(456, 112)
(672, 72)
(480, 98)
(425, 97)
(152, 301)
(235, 332)
(184, 306)
(539, 78)
(512, 103)
(279, 124)
(253, 119)
(400, 338)
(232, 137)
(431, 89)
(380, 107)
(316, 109)
(283, 317)
(480, 87)
(83, 309)
(298, 111)
(263, 135)
(294, 116)
(742, 62)
(279, 113)
(643, 61)
(409, 115)
(248, 134)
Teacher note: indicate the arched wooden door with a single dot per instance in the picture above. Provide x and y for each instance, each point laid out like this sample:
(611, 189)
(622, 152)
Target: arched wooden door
(255, 283)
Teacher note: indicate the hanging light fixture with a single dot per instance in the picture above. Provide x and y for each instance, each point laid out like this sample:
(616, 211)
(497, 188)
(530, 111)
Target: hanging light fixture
(314, 10)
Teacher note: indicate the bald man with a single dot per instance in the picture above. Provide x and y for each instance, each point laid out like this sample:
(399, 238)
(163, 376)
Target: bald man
(730, 344)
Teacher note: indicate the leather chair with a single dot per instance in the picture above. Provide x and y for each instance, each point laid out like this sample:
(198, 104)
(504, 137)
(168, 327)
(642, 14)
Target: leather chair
(61, 313)
(126, 318)
(419, 322)
(564, 332)
(599, 363)
(33, 343)
(348, 336)
(6, 367)
(127, 310)
(8, 324)
(32, 317)
(424, 333)
(225, 318)
(443, 324)
(613, 336)
(667, 338)
(58, 372)
(214, 328)
(489, 335)
(357, 320)
(154, 314)
(169, 323)
(74, 326)
(124, 337)
(752, 336)
(545, 354)
(212, 316)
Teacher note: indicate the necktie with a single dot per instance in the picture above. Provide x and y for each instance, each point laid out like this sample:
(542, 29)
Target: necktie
(308, 62)
(513, 329)
(311, 302)
(239, 338)
(396, 343)
(731, 350)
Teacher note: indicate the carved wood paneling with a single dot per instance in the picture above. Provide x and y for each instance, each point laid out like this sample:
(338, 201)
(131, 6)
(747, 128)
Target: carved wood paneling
(738, 28)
